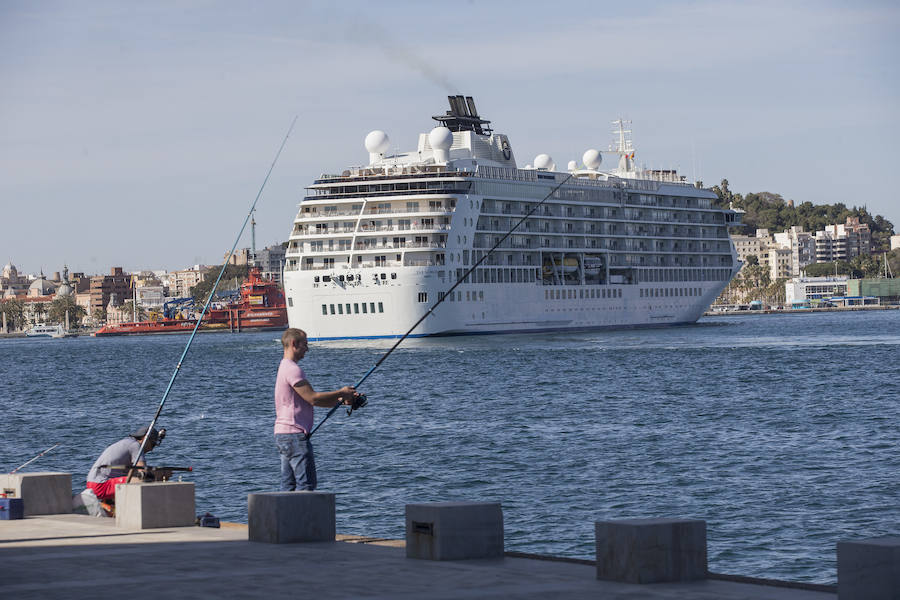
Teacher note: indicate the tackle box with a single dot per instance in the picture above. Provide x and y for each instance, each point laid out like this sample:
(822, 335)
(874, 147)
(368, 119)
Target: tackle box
(11, 508)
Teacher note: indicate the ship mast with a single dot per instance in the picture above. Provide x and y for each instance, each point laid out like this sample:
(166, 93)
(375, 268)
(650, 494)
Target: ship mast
(623, 146)
(253, 239)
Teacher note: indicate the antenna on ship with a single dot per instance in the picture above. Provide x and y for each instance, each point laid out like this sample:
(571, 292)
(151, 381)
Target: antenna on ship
(253, 238)
(622, 145)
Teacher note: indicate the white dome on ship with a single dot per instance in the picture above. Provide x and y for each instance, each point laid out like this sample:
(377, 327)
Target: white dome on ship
(377, 142)
(592, 158)
(544, 162)
(572, 165)
(440, 138)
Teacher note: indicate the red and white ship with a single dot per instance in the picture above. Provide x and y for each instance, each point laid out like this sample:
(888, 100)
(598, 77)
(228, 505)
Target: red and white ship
(261, 307)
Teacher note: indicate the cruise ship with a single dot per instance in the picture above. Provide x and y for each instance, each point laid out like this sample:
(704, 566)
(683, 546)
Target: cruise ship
(375, 247)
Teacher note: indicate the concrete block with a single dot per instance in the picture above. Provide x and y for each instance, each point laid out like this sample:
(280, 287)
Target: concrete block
(289, 517)
(651, 550)
(869, 569)
(42, 493)
(156, 504)
(454, 530)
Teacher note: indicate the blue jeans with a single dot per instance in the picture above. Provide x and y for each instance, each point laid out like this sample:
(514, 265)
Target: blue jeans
(298, 467)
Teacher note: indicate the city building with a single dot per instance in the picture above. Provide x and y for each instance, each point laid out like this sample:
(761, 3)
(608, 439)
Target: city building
(181, 282)
(11, 283)
(270, 261)
(843, 241)
(241, 256)
(802, 245)
(151, 296)
(808, 291)
(102, 286)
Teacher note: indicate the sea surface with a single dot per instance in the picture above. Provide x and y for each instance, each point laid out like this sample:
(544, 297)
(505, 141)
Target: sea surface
(781, 431)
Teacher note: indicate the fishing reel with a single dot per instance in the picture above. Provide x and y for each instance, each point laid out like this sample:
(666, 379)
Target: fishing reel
(160, 437)
(359, 400)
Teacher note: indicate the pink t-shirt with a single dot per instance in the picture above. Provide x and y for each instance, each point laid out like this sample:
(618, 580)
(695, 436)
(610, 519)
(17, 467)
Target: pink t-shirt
(293, 414)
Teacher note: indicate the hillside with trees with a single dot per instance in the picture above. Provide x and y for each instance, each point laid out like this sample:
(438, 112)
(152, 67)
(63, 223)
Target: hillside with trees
(765, 210)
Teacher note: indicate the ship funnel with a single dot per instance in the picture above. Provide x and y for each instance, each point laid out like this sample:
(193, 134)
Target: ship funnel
(377, 143)
(441, 138)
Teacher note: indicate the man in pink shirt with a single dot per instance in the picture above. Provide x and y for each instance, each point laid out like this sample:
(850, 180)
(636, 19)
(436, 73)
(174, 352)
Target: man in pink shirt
(294, 402)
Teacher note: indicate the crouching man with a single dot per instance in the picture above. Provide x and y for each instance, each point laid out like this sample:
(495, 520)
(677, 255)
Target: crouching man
(114, 463)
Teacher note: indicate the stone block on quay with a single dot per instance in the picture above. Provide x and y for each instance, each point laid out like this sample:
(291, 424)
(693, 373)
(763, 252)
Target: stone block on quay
(41, 493)
(290, 517)
(651, 550)
(155, 504)
(454, 530)
(869, 569)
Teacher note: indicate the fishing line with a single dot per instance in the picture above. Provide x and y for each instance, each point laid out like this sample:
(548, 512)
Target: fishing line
(446, 294)
(208, 299)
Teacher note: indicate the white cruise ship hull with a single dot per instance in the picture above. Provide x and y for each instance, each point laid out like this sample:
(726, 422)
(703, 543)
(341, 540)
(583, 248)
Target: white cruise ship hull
(375, 248)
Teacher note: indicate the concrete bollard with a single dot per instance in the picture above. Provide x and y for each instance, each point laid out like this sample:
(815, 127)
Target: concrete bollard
(289, 517)
(651, 550)
(869, 569)
(41, 493)
(454, 530)
(154, 505)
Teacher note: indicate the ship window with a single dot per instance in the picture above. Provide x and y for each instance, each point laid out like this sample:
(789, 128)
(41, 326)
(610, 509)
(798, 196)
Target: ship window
(481, 295)
(324, 309)
(380, 307)
(331, 306)
(348, 308)
(364, 308)
(423, 296)
(383, 275)
(372, 307)
(467, 296)
(340, 309)
(394, 275)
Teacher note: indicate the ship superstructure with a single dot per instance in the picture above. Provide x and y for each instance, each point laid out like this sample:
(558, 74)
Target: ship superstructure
(372, 248)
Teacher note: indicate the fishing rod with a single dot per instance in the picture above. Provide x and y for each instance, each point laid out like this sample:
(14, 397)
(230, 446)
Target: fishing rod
(208, 300)
(436, 304)
(35, 458)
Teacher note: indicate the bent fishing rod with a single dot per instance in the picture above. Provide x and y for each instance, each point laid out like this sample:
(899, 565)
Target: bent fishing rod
(208, 300)
(436, 304)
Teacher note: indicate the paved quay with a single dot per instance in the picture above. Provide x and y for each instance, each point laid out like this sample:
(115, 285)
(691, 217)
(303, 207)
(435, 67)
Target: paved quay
(77, 556)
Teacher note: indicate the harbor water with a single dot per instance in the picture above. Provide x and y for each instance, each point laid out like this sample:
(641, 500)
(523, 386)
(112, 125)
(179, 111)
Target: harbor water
(779, 430)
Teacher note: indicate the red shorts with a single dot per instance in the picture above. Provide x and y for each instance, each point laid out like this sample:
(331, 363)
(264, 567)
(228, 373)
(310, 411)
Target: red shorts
(107, 489)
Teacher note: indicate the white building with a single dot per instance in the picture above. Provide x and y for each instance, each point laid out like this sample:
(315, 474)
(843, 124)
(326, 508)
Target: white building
(895, 242)
(802, 246)
(807, 290)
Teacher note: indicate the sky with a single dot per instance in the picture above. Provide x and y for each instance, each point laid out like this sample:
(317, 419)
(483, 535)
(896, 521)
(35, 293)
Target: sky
(138, 134)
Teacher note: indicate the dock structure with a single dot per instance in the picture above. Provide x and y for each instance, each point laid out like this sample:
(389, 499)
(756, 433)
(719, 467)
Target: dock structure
(70, 556)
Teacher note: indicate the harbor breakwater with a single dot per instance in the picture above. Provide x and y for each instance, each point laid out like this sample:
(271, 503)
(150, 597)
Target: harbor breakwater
(779, 432)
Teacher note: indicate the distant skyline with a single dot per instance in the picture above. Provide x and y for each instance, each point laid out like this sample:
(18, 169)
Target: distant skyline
(138, 134)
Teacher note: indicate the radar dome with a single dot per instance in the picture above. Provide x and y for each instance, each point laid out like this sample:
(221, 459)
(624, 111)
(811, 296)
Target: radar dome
(573, 165)
(544, 162)
(377, 142)
(440, 138)
(592, 158)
